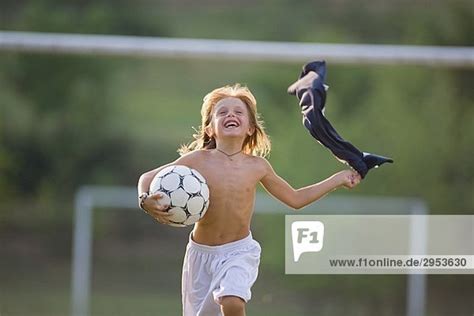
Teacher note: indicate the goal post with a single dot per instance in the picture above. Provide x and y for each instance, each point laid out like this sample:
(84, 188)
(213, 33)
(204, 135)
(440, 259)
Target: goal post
(88, 198)
(119, 45)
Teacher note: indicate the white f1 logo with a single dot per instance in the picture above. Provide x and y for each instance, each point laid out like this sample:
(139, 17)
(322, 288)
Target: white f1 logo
(307, 236)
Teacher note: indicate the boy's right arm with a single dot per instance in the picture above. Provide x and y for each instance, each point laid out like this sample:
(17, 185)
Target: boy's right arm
(150, 202)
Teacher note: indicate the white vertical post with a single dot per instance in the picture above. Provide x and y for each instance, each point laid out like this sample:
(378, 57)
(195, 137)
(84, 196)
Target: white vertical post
(416, 283)
(81, 253)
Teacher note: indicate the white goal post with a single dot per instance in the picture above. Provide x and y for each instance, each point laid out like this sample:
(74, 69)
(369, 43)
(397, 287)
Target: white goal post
(60, 43)
(90, 197)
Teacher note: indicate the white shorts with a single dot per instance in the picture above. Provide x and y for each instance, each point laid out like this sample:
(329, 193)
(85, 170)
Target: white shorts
(211, 272)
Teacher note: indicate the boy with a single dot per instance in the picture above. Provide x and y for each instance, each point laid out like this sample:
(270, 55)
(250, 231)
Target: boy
(221, 260)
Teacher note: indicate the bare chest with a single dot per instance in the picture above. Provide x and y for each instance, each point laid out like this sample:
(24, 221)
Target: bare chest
(230, 179)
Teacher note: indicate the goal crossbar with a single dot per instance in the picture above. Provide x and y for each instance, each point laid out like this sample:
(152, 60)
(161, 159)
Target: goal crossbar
(133, 46)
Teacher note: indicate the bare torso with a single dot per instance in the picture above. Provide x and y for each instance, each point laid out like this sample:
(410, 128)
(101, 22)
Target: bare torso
(232, 186)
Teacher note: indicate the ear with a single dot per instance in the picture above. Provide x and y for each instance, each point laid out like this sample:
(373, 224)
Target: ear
(251, 131)
(209, 130)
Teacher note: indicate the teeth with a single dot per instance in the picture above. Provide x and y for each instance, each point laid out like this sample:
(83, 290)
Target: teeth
(231, 124)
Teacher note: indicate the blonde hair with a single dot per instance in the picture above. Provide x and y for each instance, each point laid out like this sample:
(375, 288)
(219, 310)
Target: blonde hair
(257, 144)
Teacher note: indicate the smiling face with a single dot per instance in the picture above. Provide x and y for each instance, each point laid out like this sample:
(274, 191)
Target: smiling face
(241, 120)
(230, 118)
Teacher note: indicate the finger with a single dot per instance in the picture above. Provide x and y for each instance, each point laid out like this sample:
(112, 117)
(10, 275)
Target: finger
(162, 207)
(161, 213)
(157, 213)
(156, 196)
(163, 220)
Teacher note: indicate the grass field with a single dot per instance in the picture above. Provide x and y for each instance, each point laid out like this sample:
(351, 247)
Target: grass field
(137, 267)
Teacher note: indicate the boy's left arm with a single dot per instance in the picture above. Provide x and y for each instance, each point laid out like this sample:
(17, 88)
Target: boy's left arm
(280, 189)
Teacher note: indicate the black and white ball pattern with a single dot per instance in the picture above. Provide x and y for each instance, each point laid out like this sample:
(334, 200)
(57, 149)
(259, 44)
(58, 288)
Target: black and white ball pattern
(186, 192)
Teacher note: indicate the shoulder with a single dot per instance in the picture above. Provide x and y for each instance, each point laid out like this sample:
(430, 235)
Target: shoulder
(192, 157)
(262, 164)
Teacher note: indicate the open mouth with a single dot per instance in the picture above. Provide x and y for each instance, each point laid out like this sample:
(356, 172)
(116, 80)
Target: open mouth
(231, 124)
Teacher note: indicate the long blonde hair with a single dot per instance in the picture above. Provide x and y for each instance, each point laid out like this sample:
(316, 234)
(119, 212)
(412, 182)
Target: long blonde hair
(257, 144)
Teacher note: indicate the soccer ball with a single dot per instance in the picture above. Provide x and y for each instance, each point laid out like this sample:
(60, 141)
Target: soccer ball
(186, 192)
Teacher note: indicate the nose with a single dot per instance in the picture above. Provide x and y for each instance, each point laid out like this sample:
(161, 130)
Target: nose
(230, 114)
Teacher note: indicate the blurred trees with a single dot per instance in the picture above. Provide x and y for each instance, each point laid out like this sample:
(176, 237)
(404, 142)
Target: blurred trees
(56, 126)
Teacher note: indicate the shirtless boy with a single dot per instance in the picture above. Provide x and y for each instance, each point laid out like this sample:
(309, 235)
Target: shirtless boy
(222, 259)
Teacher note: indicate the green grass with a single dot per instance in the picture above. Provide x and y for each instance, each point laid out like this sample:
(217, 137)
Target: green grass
(137, 271)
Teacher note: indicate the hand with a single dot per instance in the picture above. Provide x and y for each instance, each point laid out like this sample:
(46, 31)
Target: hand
(348, 178)
(156, 208)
